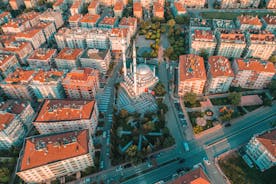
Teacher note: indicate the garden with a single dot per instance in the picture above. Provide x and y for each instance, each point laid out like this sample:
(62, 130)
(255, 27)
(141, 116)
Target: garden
(199, 122)
(134, 136)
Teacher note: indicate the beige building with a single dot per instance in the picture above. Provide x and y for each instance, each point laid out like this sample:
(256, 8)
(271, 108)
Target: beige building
(81, 83)
(16, 4)
(94, 7)
(261, 45)
(48, 157)
(252, 73)
(118, 8)
(261, 149)
(193, 3)
(34, 36)
(48, 29)
(271, 4)
(66, 115)
(68, 59)
(116, 39)
(248, 22)
(158, 10)
(137, 10)
(76, 7)
(47, 85)
(30, 3)
(269, 22)
(52, 16)
(219, 75)
(8, 64)
(240, 3)
(130, 23)
(42, 58)
(203, 41)
(231, 44)
(16, 85)
(191, 74)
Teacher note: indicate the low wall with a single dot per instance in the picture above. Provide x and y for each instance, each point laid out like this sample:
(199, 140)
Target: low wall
(208, 131)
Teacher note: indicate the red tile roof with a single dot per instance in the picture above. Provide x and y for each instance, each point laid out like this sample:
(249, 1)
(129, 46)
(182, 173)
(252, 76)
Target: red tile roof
(88, 18)
(13, 106)
(179, 7)
(268, 139)
(5, 119)
(157, 7)
(69, 54)
(65, 110)
(220, 66)
(93, 4)
(262, 36)
(203, 35)
(76, 4)
(75, 18)
(255, 65)
(137, 6)
(45, 149)
(28, 34)
(47, 76)
(4, 14)
(191, 67)
(232, 36)
(4, 58)
(270, 19)
(119, 32)
(42, 54)
(247, 19)
(128, 21)
(196, 176)
(20, 75)
(108, 20)
(119, 6)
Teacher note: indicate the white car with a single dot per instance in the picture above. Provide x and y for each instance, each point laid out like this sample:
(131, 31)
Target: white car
(119, 168)
(206, 161)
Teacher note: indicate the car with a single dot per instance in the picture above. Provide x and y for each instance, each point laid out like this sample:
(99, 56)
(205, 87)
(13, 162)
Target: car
(102, 165)
(181, 160)
(227, 125)
(206, 161)
(104, 134)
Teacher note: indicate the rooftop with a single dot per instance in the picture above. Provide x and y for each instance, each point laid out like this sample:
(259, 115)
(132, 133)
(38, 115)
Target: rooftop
(223, 24)
(248, 19)
(65, 110)
(109, 20)
(5, 119)
(46, 149)
(81, 77)
(76, 4)
(47, 76)
(4, 58)
(232, 36)
(196, 176)
(199, 22)
(28, 34)
(191, 67)
(69, 54)
(43, 25)
(4, 14)
(268, 140)
(15, 46)
(82, 31)
(29, 15)
(93, 4)
(58, 3)
(179, 7)
(14, 23)
(75, 18)
(13, 106)
(204, 35)
(255, 65)
(128, 21)
(220, 66)
(270, 19)
(137, 6)
(43, 54)
(261, 36)
(157, 7)
(119, 32)
(95, 54)
(119, 6)
(88, 18)
(20, 76)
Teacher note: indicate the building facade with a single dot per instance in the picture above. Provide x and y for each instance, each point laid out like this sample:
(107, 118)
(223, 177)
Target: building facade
(34, 36)
(42, 58)
(130, 23)
(68, 59)
(247, 22)
(8, 64)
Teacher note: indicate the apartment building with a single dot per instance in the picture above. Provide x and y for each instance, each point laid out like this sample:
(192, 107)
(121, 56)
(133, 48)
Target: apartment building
(16, 4)
(261, 44)
(48, 157)
(48, 29)
(137, 10)
(32, 17)
(178, 8)
(261, 149)
(130, 23)
(194, 3)
(83, 38)
(219, 75)
(108, 22)
(15, 120)
(6, 39)
(203, 41)
(195, 176)
(191, 74)
(5, 17)
(8, 64)
(68, 59)
(158, 10)
(42, 58)
(269, 23)
(34, 36)
(231, 44)
(74, 20)
(81, 84)
(52, 16)
(16, 26)
(248, 22)
(66, 115)
(30, 3)
(94, 7)
(118, 8)
(271, 4)
(47, 85)
(252, 73)
(60, 6)
(97, 59)
(116, 36)
(76, 7)
(240, 3)
(20, 49)
(90, 21)
(16, 85)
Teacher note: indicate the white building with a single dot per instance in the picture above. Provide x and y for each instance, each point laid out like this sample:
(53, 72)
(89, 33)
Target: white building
(52, 16)
(34, 36)
(15, 121)
(48, 157)
(42, 58)
(261, 149)
(219, 75)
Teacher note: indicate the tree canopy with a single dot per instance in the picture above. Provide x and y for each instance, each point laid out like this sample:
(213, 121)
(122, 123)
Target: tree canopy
(190, 98)
(234, 98)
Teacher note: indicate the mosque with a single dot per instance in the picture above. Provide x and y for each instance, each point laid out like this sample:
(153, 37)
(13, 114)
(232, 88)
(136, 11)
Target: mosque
(138, 81)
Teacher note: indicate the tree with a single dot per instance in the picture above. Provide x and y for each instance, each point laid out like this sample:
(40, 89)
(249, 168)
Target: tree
(169, 141)
(132, 151)
(159, 89)
(272, 59)
(272, 88)
(197, 129)
(168, 52)
(182, 19)
(163, 29)
(123, 113)
(171, 23)
(234, 98)
(190, 98)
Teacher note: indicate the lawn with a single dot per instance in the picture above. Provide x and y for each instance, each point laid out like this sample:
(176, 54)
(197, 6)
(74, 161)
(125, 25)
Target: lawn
(220, 101)
(229, 15)
(238, 172)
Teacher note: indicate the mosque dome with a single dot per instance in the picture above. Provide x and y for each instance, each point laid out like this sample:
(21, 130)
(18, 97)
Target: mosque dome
(143, 69)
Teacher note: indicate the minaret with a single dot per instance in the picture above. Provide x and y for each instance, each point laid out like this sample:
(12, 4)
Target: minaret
(134, 68)
(124, 56)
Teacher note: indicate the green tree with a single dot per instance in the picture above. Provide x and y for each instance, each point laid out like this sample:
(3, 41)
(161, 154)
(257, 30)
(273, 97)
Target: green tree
(190, 98)
(272, 59)
(4, 175)
(163, 29)
(132, 151)
(171, 23)
(123, 113)
(168, 52)
(272, 88)
(197, 129)
(159, 89)
(234, 98)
